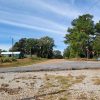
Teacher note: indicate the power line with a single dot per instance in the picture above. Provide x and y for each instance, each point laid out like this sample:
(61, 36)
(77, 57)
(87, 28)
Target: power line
(12, 46)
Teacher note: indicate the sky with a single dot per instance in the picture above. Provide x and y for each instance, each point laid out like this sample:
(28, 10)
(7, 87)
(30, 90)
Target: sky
(39, 18)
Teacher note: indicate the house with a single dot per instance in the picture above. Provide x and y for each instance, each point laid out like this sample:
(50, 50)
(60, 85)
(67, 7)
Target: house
(11, 54)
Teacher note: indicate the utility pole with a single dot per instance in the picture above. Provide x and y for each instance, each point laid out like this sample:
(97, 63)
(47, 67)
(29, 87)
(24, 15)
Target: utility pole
(12, 47)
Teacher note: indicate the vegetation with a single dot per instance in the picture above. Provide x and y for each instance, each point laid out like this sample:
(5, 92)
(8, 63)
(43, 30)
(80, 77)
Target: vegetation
(57, 54)
(66, 52)
(12, 62)
(96, 80)
(57, 86)
(32, 50)
(7, 59)
(42, 47)
(96, 45)
(83, 39)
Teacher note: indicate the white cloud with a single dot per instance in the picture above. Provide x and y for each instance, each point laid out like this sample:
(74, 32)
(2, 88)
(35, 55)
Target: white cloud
(38, 23)
(61, 9)
(33, 27)
(32, 22)
(58, 7)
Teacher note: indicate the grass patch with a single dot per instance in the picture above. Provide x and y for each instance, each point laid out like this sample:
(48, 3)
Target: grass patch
(22, 62)
(79, 79)
(54, 83)
(65, 81)
(80, 59)
(56, 87)
(96, 80)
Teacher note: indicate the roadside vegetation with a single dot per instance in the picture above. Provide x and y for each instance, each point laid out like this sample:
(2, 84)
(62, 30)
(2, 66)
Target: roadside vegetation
(13, 62)
(31, 51)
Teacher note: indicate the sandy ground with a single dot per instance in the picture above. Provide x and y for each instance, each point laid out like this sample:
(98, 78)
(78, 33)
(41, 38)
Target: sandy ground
(51, 85)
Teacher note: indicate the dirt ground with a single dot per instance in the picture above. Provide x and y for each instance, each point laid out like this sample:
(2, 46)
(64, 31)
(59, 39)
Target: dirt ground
(51, 85)
(54, 64)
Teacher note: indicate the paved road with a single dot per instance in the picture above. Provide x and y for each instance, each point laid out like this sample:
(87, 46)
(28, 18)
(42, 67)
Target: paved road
(54, 65)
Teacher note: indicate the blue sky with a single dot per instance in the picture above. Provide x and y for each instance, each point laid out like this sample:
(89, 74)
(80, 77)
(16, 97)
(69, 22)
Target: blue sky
(38, 18)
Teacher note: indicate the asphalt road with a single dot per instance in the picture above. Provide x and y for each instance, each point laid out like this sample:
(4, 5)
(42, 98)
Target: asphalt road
(54, 65)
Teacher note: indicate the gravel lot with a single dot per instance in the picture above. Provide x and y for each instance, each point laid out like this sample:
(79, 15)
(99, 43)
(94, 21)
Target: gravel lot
(37, 82)
(52, 85)
(56, 64)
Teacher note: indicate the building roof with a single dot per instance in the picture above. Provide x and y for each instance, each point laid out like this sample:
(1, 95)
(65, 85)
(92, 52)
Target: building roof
(8, 53)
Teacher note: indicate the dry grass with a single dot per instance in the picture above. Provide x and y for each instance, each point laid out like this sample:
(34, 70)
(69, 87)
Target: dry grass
(10, 91)
(65, 81)
(80, 59)
(96, 80)
(56, 84)
(63, 98)
(79, 79)
(51, 85)
(22, 62)
(5, 88)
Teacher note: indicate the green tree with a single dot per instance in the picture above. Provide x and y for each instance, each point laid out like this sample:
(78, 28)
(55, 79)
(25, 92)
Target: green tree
(20, 46)
(31, 44)
(42, 47)
(57, 54)
(66, 52)
(46, 45)
(96, 45)
(97, 27)
(80, 36)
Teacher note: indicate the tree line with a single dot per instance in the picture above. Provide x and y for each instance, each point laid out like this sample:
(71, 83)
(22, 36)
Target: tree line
(42, 47)
(83, 38)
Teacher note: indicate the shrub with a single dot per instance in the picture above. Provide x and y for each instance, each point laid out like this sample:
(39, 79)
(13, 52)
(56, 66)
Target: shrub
(7, 59)
(14, 59)
(36, 58)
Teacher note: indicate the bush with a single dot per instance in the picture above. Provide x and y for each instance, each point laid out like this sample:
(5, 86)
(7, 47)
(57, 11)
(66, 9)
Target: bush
(7, 59)
(14, 59)
(37, 58)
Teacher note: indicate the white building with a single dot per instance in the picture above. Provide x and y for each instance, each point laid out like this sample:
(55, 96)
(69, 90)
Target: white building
(10, 54)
